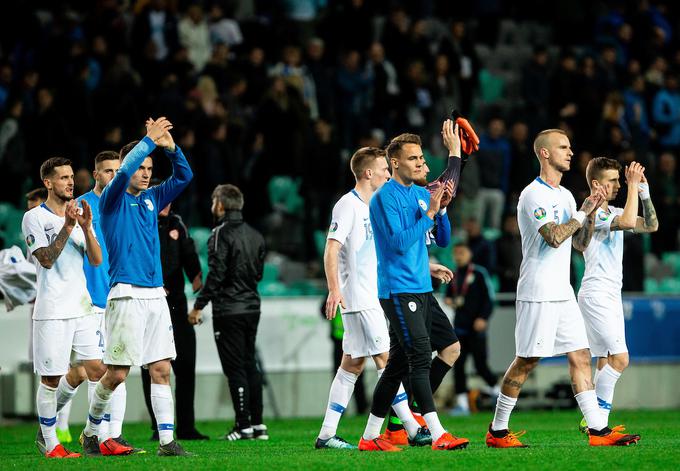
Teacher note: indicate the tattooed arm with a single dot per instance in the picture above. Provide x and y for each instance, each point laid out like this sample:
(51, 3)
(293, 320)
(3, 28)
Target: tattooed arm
(555, 234)
(582, 236)
(48, 255)
(649, 222)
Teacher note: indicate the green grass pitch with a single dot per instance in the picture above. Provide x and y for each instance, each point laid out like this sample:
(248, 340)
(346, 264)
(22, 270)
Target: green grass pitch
(555, 441)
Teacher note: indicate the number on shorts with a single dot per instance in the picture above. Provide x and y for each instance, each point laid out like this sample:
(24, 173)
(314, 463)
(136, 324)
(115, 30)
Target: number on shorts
(101, 339)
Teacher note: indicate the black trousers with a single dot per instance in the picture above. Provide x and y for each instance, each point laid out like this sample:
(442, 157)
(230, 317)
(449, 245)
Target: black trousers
(184, 367)
(474, 344)
(235, 339)
(410, 355)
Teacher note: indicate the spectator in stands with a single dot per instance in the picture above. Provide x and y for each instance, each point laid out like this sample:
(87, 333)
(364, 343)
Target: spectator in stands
(494, 158)
(464, 62)
(155, 29)
(536, 86)
(509, 250)
(664, 184)
(666, 110)
(483, 251)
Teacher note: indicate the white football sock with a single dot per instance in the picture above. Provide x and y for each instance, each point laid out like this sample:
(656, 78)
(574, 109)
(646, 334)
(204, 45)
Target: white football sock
(101, 396)
(65, 393)
(117, 406)
(400, 407)
(435, 426)
(164, 411)
(587, 402)
(341, 391)
(604, 388)
(504, 406)
(462, 401)
(373, 427)
(46, 402)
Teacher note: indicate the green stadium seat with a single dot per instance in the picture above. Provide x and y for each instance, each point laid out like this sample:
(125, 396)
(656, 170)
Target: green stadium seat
(651, 286)
(670, 286)
(320, 242)
(272, 288)
(284, 194)
(270, 273)
(200, 236)
(491, 86)
(673, 260)
(491, 234)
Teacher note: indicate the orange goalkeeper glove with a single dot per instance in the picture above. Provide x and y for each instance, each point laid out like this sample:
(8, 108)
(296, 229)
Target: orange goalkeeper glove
(469, 142)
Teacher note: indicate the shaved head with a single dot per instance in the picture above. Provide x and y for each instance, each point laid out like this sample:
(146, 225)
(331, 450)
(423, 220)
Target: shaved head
(542, 140)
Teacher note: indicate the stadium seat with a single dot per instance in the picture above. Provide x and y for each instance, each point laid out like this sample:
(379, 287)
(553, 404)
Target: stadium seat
(672, 259)
(651, 286)
(271, 272)
(284, 194)
(200, 236)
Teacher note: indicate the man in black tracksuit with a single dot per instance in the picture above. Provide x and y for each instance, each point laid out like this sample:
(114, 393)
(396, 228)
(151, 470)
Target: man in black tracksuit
(471, 296)
(178, 256)
(235, 260)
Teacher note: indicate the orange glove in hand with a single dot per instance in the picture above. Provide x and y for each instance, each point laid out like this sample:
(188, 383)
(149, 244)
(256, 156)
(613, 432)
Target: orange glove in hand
(469, 142)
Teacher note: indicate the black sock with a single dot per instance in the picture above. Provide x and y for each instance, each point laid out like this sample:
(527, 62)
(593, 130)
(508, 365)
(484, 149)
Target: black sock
(438, 371)
(393, 422)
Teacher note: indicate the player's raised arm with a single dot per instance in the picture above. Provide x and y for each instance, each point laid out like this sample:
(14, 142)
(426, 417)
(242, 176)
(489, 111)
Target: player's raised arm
(554, 234)
(167, 191)
(113, 192)
(582, 236)
(628, 219)
(442, 233)
(648, 222)
(84, 218)
(386, 216)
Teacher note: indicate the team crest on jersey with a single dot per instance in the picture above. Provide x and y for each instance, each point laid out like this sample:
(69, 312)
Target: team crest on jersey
(334, 227)
(412, 306)
(149, 204)
(603, 216)
(423, 204)
(539, 213)
(30, 240)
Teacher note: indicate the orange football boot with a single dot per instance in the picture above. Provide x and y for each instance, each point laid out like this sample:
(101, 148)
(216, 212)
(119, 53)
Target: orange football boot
(449, 442)
(397, 437)
(60, 452)
(613, 437)
(504, 439)
(377, 444)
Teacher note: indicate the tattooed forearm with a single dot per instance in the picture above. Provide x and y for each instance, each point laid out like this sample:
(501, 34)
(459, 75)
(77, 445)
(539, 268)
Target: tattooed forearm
(582, 237)
(651, 223)
(48, 255)
(512, 383)
(555, 234)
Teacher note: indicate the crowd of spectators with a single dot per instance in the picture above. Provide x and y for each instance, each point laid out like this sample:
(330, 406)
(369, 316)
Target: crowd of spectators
(264, 88)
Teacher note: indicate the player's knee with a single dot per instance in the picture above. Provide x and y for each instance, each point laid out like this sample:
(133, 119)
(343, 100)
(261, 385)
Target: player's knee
(160, 372)
(353, 365)
(619, 361)
(114, 376)
(420, 356)
(580, 360)
(450, 354)
(92, 370)
(526, 364)
(51, 381)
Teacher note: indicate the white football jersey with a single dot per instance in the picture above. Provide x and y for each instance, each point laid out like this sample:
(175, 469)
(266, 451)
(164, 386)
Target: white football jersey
(357, 263)
(544, 272)
(604, 256)
(61, 290)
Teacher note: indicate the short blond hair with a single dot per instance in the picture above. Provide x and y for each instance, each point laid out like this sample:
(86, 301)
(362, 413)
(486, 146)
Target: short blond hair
(364, 159)
(542, 139)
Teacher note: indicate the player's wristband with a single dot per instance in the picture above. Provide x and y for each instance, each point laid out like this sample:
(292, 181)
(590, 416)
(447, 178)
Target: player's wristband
(442, 212)
(644, 191)
(580, 216)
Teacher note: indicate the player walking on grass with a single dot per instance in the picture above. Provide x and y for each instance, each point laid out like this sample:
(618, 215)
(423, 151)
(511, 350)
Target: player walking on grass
(401, 217)
(138, 325)
(350, 265)
(600, 295)
(58, 235)
(549, 322)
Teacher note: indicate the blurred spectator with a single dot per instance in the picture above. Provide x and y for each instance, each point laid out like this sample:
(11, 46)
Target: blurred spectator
(354, 86)
(464, 63)
(637, 115)
(386, 90)
(666, 109)
(155, 30)
(82, 182)
(525, 166)
(494, 158)
(296, 75)
(223, 30)
(483, 251)
(664, 187)
(536, 86)
(509, 250)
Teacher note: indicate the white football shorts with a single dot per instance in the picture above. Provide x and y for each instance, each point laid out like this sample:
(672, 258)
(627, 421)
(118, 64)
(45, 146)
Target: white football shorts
(59, 343)
(549, 328)
(366, 333)
(605, 326)
(138, 332)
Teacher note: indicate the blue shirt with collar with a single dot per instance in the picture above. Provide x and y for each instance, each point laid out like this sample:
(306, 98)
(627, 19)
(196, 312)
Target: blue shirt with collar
(400, 229)
(130, 223)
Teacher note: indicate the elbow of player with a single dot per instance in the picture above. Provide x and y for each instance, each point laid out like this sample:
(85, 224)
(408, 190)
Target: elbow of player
(627, 224)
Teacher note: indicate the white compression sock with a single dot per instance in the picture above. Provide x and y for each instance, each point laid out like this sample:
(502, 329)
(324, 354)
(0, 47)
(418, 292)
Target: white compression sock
(341, 391)
(504, 406)
(400, 407)
(462, 401)
(164, 410)
(117, 411)
(587, 402)
(435, 426)
(101, 396)
(46, 401)
(65, 393)
(604, 388)
(373, 427)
